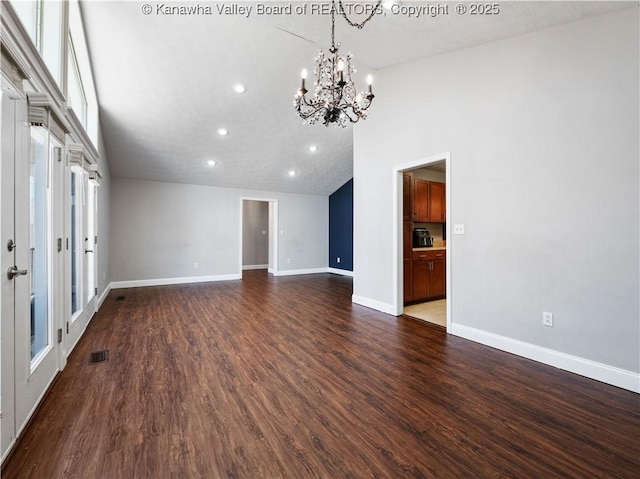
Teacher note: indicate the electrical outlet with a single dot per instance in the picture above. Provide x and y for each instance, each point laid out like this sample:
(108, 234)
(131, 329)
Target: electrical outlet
(458, 229)
(547, 319)
(196, 265)
(338, 259)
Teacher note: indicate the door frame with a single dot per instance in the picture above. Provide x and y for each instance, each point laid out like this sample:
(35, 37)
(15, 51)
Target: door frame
(272, 236)
(398, 267)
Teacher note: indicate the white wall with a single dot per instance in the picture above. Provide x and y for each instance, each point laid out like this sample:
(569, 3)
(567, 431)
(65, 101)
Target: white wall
(543, 135)
(159, 230)
(104, 277)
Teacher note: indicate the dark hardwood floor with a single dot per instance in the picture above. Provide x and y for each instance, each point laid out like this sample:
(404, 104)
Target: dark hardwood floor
(286, 378)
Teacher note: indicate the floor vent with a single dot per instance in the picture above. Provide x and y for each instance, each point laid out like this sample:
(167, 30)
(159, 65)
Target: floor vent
(99, 356)
(120, 298)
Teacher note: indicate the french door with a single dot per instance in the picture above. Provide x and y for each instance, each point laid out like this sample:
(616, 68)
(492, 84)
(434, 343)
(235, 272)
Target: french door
(81, 266)
(30, 265)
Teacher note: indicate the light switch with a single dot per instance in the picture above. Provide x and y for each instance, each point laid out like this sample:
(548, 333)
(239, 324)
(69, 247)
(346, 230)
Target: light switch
(458, 229)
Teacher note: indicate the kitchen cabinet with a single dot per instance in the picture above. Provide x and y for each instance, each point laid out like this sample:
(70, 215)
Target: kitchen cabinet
(429, 201)
(421, 201)
(424, 275)
(420, 279)
(407, 196)
(437, 198)
(428, 275)
(407, 258)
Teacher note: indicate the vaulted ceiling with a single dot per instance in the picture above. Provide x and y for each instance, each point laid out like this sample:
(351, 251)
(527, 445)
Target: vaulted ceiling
(164, 83)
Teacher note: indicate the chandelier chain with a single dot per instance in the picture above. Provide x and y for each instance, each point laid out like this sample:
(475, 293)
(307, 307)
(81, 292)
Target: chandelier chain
(364, 22)
(333, 25)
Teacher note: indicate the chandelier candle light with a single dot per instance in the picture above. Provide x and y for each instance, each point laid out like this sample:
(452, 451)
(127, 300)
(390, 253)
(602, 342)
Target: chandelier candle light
(335, 99)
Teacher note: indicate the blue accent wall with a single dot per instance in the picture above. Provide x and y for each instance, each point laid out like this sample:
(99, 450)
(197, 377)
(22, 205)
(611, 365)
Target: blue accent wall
(341, 227)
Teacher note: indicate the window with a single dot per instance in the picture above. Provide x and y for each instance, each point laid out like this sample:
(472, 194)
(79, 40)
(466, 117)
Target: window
(43, 21)
(30, 14)
(76, 97)
(81, 96)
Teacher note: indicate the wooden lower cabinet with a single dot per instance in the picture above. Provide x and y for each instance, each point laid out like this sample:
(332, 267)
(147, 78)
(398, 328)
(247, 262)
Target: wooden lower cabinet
(437, 278)
(408, 283)
(428, 275)
(407, 250)
(420, 281)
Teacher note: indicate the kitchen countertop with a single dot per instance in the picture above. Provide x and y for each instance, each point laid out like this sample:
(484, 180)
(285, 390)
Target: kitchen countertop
(431, 248)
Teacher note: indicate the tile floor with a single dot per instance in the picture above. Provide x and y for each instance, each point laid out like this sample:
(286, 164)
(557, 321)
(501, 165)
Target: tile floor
(432, 311)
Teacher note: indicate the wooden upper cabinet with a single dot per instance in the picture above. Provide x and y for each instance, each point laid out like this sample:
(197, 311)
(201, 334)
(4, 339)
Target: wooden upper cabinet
(407, 197)
(437, 200)
(429, 201)
(421, 200)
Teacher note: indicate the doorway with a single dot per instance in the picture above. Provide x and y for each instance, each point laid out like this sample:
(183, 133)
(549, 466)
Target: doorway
(429, 267)
(258, 241)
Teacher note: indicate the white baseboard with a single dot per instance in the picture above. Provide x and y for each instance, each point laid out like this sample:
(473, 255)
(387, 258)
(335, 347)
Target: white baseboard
(103, 296)
(584, 367)
(373, 304)
(166, 281)
(293, 272)
(342, 272)
(79, 337)
(254, 266)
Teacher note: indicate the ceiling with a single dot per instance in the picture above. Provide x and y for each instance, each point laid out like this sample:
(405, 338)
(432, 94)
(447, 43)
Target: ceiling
(164, 84)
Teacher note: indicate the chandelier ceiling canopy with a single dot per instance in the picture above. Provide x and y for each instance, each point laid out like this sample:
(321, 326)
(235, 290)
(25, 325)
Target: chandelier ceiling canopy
(335, 98)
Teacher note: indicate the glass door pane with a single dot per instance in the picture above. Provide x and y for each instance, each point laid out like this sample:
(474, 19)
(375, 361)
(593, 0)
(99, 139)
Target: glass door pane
(76, 242)
(90, 240)
(39, 240)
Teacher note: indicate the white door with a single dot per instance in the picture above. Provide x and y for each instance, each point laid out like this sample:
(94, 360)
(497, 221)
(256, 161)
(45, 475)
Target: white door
(91, 246)
(81, 247)
(8, 127)
(27, 270)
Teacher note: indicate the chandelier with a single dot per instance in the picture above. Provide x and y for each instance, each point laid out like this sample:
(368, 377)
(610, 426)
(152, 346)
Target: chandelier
(335, 99)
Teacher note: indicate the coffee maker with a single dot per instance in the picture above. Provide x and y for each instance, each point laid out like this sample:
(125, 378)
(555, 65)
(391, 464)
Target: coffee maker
(422, 238)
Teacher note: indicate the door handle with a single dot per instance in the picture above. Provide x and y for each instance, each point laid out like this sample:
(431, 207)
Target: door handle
(14, 271)
(88, 251)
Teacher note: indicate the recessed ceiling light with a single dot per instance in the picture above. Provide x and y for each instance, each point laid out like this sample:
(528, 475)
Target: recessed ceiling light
(211, 162)
(292, 173)
(222, 131)
(238, 88)
(313, 148)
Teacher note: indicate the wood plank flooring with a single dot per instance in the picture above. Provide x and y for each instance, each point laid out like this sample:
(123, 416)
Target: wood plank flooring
(286, 378)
